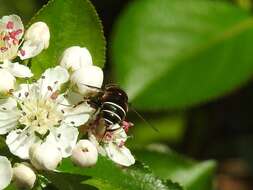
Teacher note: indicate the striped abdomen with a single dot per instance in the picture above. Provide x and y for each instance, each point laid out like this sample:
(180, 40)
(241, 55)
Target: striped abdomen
(112, 113)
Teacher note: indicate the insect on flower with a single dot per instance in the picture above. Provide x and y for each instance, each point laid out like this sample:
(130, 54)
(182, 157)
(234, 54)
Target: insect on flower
(107, 126)
(111, 105)
(108, 130)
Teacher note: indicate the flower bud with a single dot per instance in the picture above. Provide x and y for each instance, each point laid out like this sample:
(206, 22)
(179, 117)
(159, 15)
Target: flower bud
(24, 176)
(38, 33)
(87, 76)
(45, 156)
(84, 154)
(7, 82)
(5, 172)
(75, 57)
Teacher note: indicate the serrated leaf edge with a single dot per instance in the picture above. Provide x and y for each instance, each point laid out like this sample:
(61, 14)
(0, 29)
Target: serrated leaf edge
(92, 8)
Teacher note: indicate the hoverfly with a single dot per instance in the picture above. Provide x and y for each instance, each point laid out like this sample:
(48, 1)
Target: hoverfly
(111, 105)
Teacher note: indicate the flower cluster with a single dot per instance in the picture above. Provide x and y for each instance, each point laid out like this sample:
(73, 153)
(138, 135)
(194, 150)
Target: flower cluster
(42, 121)
(15, 43)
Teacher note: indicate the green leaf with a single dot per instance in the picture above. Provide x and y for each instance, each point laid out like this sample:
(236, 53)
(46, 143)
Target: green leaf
(11, 187)
(71, 23)
(107, 176)
(169, 165)
(174, 54)
(66, 181)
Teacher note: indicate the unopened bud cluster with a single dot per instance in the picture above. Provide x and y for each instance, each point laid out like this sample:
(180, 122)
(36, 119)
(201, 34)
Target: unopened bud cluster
(84, 75)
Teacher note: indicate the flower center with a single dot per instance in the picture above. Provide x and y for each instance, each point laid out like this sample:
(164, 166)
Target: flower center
(40, 114)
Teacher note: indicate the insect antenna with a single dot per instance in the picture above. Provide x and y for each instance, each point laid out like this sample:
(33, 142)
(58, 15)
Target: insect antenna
(94, 87)
(111, 85)
(143, 119)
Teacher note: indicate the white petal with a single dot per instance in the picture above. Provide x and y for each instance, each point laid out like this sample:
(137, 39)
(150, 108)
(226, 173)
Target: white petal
(18, 70)
(120, 155)
(88, 75)
(9, 104)
(78, 115)
(17, 24)
(76, 120)
(8, 125)
(7, 81)
(30, 49)
(38, 32)
(119, 135)
(10, 53)
(20, 141)
(52, 79)
(9, 115)
(94, 141)
(74, 116)
(73, 98)
(75, 57)
(65, 138)
(5, 172)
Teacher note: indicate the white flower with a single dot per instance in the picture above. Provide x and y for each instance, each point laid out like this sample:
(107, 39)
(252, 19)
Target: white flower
(75, 57)
(5, 172)
(45, 156)
(11, 33)
(24, 176)
(86, 78)
(38, 112)
(84, 154)
(112, 144)
(36, 39)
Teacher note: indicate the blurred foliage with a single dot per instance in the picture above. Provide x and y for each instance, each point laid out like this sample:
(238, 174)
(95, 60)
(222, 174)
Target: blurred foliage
(185, 53)
(245, 4)
(170, 128)
(188, 173)
(25, 8)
